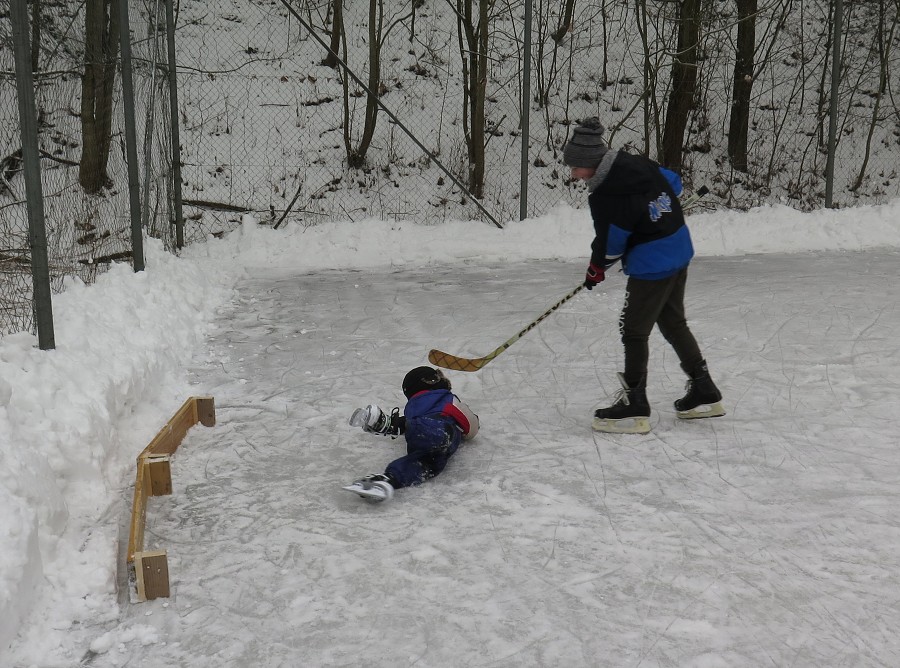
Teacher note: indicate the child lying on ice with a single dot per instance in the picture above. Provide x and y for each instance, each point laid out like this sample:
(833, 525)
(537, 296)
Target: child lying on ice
(434, 423)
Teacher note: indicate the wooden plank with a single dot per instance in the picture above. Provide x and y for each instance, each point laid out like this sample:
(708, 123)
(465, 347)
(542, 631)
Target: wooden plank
(192, 411)
(154, 478)
(160, 475)
(138, 510)
(169, 437)
(151, 571)
(206, 411)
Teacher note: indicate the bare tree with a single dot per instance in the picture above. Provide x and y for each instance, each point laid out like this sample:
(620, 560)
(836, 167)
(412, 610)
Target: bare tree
(473, 46)
(337, 29)
(883, 38)
(100, 53)
(742, 89)
(357, 157)
(684, 83)
(547, 72)
(35, 34)
(378, 34)
(565, 25)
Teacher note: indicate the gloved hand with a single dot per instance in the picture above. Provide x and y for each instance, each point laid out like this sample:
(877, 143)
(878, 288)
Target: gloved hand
(594, 276)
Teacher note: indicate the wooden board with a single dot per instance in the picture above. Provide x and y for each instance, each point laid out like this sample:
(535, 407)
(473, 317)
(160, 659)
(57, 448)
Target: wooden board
(160, 475)
(154, 478)
(151, 570)
(194, 410)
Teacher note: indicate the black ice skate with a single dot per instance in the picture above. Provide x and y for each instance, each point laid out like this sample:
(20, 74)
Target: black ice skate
(375, 487)
(703, 399)
(374, 420)
(630, 414)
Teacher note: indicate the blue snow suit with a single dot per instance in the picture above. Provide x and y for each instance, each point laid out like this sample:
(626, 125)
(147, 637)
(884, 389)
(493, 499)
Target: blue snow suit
(638, 218)
(435, 423)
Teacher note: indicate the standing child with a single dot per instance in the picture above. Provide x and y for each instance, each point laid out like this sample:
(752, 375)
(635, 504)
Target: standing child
(434, 422)
(638, 221)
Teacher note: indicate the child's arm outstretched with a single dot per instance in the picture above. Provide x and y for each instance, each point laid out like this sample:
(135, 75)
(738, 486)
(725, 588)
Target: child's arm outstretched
(375, 421)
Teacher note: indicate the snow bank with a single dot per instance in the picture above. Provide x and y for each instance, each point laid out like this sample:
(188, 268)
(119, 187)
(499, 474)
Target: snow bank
(72, 420)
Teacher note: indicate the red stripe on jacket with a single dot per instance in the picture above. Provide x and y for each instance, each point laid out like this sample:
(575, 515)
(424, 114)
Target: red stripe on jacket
(451, 410)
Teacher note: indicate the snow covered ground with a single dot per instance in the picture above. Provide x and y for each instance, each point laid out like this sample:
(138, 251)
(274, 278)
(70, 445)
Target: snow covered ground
(768, 536)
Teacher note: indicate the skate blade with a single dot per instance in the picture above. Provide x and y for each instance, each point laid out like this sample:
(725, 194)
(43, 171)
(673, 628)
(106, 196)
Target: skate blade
(702, 411)
(637, 425)
(374, 494)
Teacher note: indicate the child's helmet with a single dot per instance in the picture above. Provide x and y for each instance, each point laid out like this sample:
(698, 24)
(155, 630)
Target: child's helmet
(424, 378)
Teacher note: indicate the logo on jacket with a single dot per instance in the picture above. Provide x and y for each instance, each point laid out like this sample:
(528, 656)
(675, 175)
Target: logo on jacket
(659, 206)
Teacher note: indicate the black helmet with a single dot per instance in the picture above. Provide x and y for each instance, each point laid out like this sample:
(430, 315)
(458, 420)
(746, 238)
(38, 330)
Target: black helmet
(424, 378)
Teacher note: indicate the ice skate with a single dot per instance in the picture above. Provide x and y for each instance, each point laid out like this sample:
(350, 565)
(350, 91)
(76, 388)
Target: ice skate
(703, 399)
(374, 420)
(376, 487)
(629, 414)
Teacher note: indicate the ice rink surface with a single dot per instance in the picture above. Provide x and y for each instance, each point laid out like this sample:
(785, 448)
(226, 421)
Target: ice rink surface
(768, 537)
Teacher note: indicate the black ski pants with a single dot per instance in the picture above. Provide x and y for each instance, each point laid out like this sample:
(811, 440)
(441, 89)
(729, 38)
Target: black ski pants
(661, 303)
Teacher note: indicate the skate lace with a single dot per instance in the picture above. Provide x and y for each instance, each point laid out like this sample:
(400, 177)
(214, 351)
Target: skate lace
(621, 397)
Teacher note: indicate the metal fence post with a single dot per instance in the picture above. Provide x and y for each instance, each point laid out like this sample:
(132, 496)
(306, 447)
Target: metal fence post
(134, 195)
(37, 234)
(833, 106)
(173, 109)
(526, 114)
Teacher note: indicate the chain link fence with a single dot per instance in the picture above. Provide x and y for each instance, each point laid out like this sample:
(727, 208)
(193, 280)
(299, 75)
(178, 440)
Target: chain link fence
(266, 128)
(268, 122)
(86, 204)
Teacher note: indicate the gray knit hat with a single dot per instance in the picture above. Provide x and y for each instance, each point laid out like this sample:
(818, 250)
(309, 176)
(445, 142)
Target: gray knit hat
(586, 147)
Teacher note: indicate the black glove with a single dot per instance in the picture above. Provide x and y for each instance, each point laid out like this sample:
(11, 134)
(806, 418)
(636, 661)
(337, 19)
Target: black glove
(593, 276)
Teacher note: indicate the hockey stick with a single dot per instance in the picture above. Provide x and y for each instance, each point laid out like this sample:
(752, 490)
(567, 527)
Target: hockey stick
(456, 363)
(448, 361)
(692, 199)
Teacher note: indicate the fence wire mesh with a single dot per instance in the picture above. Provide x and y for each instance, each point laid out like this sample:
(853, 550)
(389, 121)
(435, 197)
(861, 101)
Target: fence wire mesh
(265, 125)
(267, 121)
(266, 128)
(86, 209)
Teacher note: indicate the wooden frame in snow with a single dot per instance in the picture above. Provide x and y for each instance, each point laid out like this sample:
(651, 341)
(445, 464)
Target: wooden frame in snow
(148, 571)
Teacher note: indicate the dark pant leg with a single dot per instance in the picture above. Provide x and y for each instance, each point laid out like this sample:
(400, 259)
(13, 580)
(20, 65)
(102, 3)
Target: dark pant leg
(644, 301)
(674, 328)
(429, 445)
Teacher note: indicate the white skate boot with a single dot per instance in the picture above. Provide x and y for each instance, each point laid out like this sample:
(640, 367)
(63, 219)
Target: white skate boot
(374, 420)
(375, 487)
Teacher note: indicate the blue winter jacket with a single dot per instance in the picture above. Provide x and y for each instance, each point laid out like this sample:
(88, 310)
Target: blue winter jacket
(444, 405)
(638, 218)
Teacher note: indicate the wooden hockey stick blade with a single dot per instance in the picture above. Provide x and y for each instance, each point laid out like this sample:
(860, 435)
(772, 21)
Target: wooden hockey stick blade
(448, 361)
(455, 363)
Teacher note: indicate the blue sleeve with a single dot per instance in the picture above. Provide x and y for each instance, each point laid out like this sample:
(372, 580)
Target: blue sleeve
(674, 181)
(616, 245)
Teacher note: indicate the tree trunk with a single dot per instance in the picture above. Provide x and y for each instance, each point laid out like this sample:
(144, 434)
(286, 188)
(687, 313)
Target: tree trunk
(337, 27)
(357, 158)
(479, 93)
(100, 56)
(684, 84)
(35, 34)
(566, 25)
(884, 37)
(473, 43)
(743, 84)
